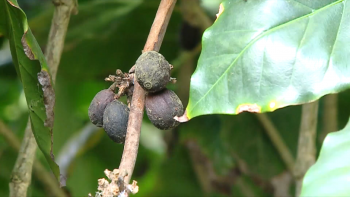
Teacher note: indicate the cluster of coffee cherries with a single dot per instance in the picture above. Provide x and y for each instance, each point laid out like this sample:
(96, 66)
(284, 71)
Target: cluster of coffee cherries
(152, 72)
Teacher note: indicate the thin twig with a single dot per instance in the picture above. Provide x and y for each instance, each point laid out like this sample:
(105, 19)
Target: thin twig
(277, 141)
(306, 155)
(47, 179)
(159, 26)
(193, 13)
(202, 166)
(40, 171)
(282, 183)
(57, 35)
(24, 162)
(9, 136)
(153, 43)
(22, 172)
(330, 115)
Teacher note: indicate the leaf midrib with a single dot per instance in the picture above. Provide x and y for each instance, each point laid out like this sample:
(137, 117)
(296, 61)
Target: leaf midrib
(257, 38)
(11, 22)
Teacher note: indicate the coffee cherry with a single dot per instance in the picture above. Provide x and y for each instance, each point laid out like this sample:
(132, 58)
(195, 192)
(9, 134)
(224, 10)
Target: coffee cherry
(152, 71)
(162, 107)
(115, 121)
(98, 105)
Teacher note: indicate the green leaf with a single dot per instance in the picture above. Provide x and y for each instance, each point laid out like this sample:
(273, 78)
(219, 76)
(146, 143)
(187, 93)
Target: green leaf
(329, 176)
(260, 56)
(32, 69)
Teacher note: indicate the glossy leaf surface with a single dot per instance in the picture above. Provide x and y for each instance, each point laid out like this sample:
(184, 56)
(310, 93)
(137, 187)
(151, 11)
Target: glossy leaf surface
(330, 174)
(32, 70)
(263, 55)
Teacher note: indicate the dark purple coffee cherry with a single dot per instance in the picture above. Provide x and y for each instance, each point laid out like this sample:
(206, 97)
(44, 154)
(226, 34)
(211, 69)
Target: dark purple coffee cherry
(162, 107)
(152, 71)
(115, 121)
(98, 105)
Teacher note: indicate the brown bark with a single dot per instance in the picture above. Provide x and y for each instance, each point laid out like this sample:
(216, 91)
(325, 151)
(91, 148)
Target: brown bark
(277, 141)
(330, 115)
(153, 43)
(39, 170)
(22, 172)
(306, 155)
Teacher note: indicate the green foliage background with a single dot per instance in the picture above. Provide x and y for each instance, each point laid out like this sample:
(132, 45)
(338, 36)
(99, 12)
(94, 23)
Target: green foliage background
(110, 34)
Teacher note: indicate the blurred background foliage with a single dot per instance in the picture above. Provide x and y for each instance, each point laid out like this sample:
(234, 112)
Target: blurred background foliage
(217, 155)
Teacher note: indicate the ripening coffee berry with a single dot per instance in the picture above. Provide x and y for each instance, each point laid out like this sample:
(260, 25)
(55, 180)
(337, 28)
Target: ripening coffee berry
(98, 105)
(152, 71)
(115, 121)
(162, 107)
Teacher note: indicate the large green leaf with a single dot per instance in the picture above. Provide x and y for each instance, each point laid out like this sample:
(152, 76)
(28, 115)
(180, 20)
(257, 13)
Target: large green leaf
(330, 175)
(32, 69)
(263, 55)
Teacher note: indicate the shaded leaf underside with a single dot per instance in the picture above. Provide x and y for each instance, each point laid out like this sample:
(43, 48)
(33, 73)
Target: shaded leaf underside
(263, 55)
(31, 65)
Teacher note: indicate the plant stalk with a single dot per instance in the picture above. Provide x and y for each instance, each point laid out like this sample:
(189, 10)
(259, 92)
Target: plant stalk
(39, 170)
(153, 43)
(193, 13)
(277, 141)
(22, 172)
(330, 115)
(58, 31)
(306, 155)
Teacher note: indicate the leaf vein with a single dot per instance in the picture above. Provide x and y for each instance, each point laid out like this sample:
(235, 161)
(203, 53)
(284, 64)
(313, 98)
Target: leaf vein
(296, 53)
(262, 68)
(335, 40)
